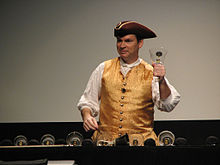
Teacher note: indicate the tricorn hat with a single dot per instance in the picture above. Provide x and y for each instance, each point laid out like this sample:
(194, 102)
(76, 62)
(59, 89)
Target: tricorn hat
(131, 27)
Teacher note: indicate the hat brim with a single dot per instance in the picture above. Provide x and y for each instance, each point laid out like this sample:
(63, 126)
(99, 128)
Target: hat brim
(128, 27)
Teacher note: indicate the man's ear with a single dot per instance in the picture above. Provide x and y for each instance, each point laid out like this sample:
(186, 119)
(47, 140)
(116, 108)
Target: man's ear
(141, 42)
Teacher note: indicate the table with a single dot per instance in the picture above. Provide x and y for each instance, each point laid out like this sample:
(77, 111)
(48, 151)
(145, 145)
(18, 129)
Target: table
(139, 155)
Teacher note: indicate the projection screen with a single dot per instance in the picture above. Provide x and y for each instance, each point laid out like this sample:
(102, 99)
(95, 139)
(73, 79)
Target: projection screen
(49, 49)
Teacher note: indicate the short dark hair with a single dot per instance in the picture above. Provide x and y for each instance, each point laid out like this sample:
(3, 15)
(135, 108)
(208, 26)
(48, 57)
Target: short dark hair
(138, 38)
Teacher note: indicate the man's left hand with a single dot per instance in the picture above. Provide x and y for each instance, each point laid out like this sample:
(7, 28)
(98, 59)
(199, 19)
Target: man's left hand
(159, 71)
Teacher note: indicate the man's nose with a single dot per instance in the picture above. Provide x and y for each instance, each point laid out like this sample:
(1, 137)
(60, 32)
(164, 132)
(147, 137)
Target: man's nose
(123, 45)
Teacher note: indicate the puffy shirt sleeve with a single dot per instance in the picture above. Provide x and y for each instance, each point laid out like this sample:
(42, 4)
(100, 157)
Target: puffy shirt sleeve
(169, 103)
(91, 95)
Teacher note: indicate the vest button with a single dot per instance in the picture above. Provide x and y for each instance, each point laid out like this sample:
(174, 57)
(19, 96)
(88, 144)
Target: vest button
(124, 83)
(123, 90)
(121, 105)
(120, 126)
(121, 112)
(122, 97)
(121, 119)
(119, 135)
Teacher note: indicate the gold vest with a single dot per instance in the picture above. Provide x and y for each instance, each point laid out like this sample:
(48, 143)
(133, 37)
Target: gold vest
(126, 102)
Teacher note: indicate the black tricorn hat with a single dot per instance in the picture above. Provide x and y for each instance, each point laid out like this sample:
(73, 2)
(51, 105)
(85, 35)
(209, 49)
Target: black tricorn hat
(132, 27)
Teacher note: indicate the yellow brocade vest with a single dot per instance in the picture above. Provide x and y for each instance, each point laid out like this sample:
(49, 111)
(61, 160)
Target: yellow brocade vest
(126, 102)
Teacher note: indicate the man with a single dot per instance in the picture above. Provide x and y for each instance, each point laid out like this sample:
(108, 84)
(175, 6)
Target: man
(127, 89)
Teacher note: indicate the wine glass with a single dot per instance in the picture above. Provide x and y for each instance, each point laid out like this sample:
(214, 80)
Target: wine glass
(158, 55)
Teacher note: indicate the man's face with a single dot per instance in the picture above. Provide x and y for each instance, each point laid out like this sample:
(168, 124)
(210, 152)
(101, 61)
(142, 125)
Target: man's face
(128, 47)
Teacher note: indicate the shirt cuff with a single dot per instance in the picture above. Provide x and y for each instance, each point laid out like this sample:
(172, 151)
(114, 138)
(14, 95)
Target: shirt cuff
(94, 113)
(168, 100)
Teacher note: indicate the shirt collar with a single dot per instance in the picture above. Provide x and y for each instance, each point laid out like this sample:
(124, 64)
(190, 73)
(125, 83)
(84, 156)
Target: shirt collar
(137, 62)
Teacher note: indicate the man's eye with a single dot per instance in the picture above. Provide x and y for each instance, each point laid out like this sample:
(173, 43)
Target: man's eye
(128, 40)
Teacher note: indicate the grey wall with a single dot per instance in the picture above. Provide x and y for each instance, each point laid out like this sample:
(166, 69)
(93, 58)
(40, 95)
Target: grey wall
(48, 49)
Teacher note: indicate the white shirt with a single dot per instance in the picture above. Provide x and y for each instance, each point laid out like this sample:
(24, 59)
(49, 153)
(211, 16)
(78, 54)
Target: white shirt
(91, 96)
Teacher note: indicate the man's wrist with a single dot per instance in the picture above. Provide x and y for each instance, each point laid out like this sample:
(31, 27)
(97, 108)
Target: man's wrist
(86, 112)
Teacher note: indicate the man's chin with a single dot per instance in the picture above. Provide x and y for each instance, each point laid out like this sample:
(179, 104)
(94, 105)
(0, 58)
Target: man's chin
(124, 55)
(124, 58)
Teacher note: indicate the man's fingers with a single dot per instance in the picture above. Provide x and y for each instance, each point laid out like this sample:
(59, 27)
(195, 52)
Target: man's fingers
(90, 124)
(95, 124)
(159, 70)
(86, 127)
